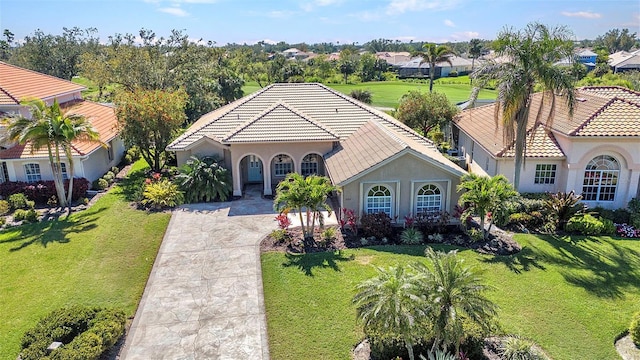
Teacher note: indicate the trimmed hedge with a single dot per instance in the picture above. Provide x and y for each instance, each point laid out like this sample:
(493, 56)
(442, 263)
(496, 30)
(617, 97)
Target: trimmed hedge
(41, 191)
(85, 332)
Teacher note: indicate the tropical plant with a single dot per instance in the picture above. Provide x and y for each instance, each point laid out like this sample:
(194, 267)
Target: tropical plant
(475, 49)
(204, 179)
(563, 206)
(51, 128)
(161, 194)
(361, 95)
(439, 355)
(411, 236)
(484, 194)
(531, 53)
(433, 54)
(308, 194)
(518, 348)
(377, 225)
(390, 303)
(454, 294)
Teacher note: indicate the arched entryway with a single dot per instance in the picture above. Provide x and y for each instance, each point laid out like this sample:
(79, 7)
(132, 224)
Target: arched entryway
(251, 172)
(281, 165)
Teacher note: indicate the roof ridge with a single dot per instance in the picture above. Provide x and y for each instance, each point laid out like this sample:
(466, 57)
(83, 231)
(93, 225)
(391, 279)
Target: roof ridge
(389, 132)
(593, 116)
(277, 104)
(232, 106)
(9, 95)
(531, 132)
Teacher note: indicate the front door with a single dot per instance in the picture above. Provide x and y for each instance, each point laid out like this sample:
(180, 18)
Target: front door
(255, 169)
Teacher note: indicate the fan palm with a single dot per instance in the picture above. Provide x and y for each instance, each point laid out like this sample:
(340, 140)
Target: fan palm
(531, 54)
(391, 304)
(203, 179)
(433, 54)
(454, 295)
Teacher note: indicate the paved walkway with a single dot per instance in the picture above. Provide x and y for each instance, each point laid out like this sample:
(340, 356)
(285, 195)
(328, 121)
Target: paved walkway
(204, 297)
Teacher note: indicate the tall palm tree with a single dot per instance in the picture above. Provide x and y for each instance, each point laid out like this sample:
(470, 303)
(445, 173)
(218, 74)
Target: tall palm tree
(475, 49)
(531, 53)
(55, 130)
(484, 194)
(303, 193)
(391, 304)
(434, 54)
(455, 294)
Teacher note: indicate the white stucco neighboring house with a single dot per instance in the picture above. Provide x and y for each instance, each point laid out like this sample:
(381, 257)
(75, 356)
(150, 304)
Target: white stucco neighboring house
(20, 162)
(379, 163)
(595, 152)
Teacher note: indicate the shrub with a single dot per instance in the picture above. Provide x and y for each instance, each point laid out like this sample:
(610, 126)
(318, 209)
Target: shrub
(108, 177)
(4, 207)
(204, 179)
(115, 170)
(101, 184)
(280, 235)
(329, 234)
(85, 332)
(634, 328)
(283, 221)
(475, 235)
(361, 95)
(42, 191)
(608, 227)
(432, 222)
(53, 201)
(411, 236)
(532, 220)
(161, 194)
(519, 205)
(349, 219)
(436, 238)
(132, 155)
(376, 225)
(3, 221)
(585, 224)
(517, 348)
(453, 74)
(562, 206)
(18, 201)
(27, 215)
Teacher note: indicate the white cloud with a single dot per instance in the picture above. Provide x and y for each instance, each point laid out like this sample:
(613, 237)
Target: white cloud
(464, 35)
(176, 11)
(397, 7)
(367, 15)
(449, 23)
(311, 5)
(582, 14)
(280, 14)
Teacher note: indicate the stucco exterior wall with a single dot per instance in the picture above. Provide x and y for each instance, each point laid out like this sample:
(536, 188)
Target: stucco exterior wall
(403, 176)
(205, 148)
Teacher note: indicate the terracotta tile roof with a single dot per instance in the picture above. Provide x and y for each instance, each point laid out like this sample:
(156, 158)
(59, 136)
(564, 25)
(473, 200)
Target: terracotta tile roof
(102, 117)
(280, 123)
(17, 84)
(540, 144)
(599, 111)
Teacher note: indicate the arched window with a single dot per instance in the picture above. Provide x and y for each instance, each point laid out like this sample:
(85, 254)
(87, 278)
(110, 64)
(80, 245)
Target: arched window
(309, 165)
(379, 200)
(601, 179)
(429, 200)
(282, 165)
(33, 172)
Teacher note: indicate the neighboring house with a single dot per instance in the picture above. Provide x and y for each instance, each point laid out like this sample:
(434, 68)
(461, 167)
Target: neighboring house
(394, 58)
(380, 164)
(624, 61)
(585, 57)
(20, 162)
(413, 68)
(595, 152)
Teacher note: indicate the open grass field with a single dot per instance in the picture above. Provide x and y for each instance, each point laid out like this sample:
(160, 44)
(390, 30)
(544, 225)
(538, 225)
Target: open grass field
(99, 257)
(573, 296)
(388, 93)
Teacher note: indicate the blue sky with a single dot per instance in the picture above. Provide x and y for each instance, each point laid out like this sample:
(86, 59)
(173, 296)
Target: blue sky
(344, 21)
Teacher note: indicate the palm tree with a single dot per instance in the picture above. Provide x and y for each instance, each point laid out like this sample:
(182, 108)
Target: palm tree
(454, 295)
(310, 193)
(434, 54)
(531, 53)
(203, 179)
(483, 194)
(475, 49)
(56, 130)
(391, 304)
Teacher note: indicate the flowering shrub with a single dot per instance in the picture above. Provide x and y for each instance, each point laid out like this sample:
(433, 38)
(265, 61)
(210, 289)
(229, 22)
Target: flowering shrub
(628, 231)
(283, 221)
(349, 219)
(409, 220)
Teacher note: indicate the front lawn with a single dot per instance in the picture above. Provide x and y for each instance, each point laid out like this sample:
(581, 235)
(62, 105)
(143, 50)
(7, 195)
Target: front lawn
(571, 295)
(101, 256)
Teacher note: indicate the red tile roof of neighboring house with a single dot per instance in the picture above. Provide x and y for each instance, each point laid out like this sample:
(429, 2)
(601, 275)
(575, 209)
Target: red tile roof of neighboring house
(599, 111)
(17, 84)
(102, 117)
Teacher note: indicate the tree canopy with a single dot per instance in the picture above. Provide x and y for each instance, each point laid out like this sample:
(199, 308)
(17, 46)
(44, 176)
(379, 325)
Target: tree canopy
(425, 111)
(150, 119)
(616, 40)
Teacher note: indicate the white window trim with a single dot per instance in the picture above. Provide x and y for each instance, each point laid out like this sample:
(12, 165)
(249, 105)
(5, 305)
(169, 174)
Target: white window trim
(443, 184)
(554, 170)
(365, 186)
(600, 173)
(418, 190)
(26, 172)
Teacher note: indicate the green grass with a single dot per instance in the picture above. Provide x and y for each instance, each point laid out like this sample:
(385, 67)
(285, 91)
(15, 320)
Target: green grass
(101, 256)
(572, 296)
(388, 93)
(91, 93)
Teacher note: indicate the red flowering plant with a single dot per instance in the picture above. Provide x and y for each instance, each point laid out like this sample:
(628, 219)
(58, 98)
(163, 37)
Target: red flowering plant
(283, 221)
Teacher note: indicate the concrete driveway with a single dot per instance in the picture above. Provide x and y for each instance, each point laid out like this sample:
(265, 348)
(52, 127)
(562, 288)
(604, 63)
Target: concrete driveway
(204, 297)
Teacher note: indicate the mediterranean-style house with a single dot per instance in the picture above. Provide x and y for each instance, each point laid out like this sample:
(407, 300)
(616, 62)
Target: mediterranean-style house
(379, 163)
(91, 159)
(595, 152)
